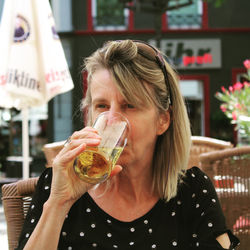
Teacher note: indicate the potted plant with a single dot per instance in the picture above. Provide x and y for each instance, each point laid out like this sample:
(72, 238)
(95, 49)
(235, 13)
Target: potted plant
(236, 105)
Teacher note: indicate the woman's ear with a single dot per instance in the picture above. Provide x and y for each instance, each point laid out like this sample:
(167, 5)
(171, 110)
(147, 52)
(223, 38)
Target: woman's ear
(163, 122)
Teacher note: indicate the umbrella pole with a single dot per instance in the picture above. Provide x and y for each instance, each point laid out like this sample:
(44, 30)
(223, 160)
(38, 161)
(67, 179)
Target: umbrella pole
(25, 142)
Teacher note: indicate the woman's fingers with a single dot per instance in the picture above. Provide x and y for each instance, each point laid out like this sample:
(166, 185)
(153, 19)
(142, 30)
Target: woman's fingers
(72, 153)
(75, 147)
(74, 143)
(116, 170)
(87, 132)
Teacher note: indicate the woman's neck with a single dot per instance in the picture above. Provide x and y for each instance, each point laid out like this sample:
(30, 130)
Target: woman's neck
(127, 196)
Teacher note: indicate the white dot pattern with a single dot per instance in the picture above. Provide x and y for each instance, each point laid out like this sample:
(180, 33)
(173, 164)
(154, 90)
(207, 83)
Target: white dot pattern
(174, 243)
(210, 224)
(96, 229)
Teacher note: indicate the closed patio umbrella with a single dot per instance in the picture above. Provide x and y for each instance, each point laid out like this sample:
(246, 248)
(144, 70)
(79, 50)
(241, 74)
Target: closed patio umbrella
(33, 68)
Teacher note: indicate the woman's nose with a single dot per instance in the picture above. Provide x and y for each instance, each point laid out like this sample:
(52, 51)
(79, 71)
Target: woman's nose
(114, 109)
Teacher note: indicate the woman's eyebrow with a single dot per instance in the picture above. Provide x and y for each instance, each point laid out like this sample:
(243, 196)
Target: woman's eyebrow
(96, 100)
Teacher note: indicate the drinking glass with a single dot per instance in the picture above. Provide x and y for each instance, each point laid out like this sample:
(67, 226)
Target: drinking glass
(95, 164)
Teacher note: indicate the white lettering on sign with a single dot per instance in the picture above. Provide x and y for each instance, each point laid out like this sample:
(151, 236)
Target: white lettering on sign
(192, 53)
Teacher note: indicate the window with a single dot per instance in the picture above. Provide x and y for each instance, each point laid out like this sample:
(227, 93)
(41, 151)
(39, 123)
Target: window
(192, 91)
(1, 9)
(188, 17)
(62, 10)
(109, 15)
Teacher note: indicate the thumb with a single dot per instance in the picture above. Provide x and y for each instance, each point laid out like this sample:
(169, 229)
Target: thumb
(116, 170)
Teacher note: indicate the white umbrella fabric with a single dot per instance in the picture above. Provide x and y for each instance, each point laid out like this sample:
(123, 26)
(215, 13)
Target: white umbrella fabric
(33, 67)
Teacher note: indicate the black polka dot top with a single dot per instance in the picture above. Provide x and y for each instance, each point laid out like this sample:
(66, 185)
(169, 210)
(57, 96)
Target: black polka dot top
(190, 221)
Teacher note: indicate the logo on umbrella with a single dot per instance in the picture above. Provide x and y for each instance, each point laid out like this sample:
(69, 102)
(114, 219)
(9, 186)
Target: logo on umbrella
(53, 28)
(22, 29)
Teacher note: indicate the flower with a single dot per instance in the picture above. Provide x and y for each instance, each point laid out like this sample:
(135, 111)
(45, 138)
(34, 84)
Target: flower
(238, 86)
(223, 89)
(223, 108)
(234, 115)
(236, 102)
(247, 64)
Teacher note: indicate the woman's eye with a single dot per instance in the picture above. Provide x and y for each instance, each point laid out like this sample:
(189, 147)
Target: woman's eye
(101, 106)
(129, 106)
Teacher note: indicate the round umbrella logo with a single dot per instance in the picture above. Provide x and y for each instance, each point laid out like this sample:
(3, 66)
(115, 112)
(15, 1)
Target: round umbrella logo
(22, 29)
(53, 28)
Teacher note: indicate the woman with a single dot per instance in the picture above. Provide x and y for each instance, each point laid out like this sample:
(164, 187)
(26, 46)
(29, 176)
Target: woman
(150, 201)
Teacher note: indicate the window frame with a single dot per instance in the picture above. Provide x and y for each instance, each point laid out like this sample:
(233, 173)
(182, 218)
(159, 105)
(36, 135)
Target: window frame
(186, 27)
(205, 79)
(126, 13)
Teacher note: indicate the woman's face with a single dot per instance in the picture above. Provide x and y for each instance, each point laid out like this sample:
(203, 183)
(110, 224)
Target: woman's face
(144, 122)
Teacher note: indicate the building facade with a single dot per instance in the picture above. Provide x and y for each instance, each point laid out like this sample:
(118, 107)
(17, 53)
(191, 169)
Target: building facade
(207, 45)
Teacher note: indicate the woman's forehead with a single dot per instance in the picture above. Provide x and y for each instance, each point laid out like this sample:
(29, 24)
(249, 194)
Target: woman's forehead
(104, 85)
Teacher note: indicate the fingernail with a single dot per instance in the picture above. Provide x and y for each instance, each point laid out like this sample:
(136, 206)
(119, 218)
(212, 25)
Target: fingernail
(96, 140)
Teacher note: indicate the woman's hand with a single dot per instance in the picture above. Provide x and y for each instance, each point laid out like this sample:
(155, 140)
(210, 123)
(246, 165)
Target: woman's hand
(66, 185)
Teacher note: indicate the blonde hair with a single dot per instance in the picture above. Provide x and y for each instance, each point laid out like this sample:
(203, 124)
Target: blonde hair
(142, 82)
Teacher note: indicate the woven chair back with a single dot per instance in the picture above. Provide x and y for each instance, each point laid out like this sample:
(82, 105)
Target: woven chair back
(229, 170)
(16, 199)
(51, 150)
(202, 144)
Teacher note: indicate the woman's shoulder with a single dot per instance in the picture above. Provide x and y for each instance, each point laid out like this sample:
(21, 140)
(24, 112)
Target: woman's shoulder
(195, 179)
(44, 183)
(46, 176)
(195, 174)
(194, 170)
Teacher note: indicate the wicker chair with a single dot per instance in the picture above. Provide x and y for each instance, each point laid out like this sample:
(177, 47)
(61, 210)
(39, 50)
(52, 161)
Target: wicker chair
(16, 199)
(202, 144)
(229, 169)
(51, 150)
